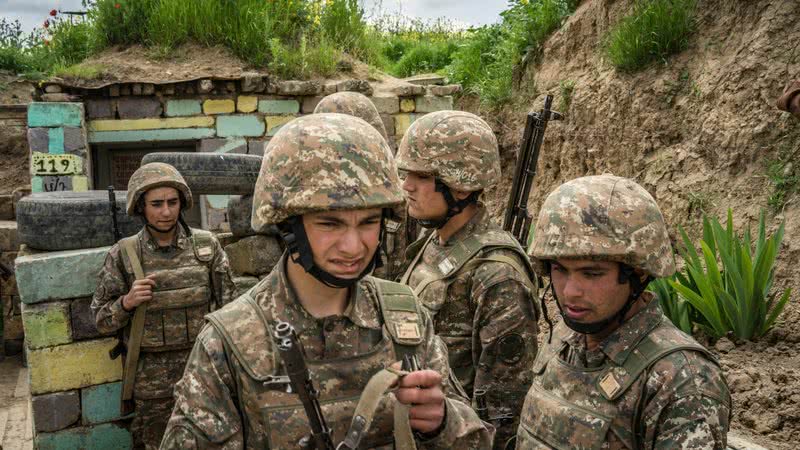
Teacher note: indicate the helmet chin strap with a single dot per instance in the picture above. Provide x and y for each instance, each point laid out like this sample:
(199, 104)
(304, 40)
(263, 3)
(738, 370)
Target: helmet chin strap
(454, 206)
(294, 235)
(626, 275)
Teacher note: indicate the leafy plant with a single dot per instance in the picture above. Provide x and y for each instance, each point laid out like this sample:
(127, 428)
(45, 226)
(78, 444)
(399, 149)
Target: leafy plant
(566, 87)
(782, 172)
(736, 296)
(673, 305)
(654, 30)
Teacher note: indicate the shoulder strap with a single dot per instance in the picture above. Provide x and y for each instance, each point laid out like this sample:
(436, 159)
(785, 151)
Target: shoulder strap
(203, 243)
(401, 316)
(417, 256)
(130, 251)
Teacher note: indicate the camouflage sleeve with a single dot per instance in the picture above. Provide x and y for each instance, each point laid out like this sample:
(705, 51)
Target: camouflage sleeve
(222, 277)
(205, 414)
(112, 285)
(463, 429)
(689, 408)
(504, 344)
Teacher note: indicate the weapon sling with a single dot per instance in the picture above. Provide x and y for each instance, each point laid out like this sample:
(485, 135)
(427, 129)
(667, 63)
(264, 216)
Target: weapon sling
(137, 327)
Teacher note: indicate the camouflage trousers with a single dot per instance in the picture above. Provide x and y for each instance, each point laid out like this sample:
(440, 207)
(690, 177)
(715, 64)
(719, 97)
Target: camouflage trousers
(156, 375)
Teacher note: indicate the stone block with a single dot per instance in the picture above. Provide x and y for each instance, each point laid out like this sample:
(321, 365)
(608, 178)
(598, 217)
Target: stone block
(240, 125)
(55, 142)
(354, 85)
(73, 366)
(151, 124)
(274, 123)
(402, 122)
(309, 104)
(226, 106)
(74, 139)
(257, 146)
(42, 114)
(234, 145)
(125, 90)
(8, 235)
(186, 107)
(386, 104)
(408, 90)
(59, 275)
(56, 411)
(46, 324)
(429, 103)
(254, 255)
(99, 109)
(6, 209)
(107, 436)
(175, 134)
(407, 105)
(388, 124)
(101, 403)
(299, 88)
(252, 82)
(205, 86)
(38, 139)
(52, 89)
(139, 108)
(82, 319)
(54, 183)
(60, 98)
(329, 88)
(148, 89)
(113, 90)
(441, 91)
(136, 89)
(275, 107)
(246, 103)
(167, 89)
(243, 284)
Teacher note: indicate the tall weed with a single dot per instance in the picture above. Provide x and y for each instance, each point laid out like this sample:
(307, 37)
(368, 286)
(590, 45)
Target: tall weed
(654, 30)
(674, 306)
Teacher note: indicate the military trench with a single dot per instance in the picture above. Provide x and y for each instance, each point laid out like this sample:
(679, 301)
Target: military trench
(697, 133)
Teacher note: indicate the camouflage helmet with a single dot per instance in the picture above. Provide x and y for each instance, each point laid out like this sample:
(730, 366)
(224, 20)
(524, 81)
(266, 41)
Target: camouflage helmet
(323, 162)
(155, 175)
(607, 218)
(457, 147)
(353, 104)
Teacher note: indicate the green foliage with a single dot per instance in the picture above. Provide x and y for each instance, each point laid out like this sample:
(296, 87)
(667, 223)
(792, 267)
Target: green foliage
(654, 30)
(487, 62)
(734, 297)
(304, 60)
(425, 57)
(84, 71)
(409, 47)
(782, 171)
(566, 88)
(673, 305)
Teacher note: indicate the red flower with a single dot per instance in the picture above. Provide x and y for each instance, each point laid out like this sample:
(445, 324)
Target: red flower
(117, 5)
(46, 23)
(46, 42)
(53, 12)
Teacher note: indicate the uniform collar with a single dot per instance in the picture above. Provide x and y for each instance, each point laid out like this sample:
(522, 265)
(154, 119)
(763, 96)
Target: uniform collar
(179, 240)
(475, 224)
(361, 307)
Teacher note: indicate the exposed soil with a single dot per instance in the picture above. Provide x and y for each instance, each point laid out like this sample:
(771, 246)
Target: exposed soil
(13, 134)
(697, 132)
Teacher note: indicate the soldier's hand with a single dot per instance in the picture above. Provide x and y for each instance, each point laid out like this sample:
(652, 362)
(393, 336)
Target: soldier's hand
(422, 390)
(141, 291)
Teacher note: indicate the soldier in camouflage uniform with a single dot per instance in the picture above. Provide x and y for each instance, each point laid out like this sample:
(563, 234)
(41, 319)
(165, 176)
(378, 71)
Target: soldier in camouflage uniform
(473, 277)
(615, 373)
(187, 275)
(326, 181)
(394, 243)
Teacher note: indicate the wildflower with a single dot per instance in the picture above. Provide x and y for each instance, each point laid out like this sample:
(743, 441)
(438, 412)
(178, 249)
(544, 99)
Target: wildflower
(117, 5)
(46, 23)
(53, 12)
(46, 42)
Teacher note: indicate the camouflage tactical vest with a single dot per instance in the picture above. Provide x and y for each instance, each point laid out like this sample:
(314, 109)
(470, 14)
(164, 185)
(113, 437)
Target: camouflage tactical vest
(265, 388)
(570, 407)
(182, 293)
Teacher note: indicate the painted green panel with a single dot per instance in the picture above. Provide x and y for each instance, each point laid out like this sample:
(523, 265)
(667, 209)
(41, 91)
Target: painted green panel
(100, 403)
(46, 324)
(177, 108)
(42, 114)
(59, 275)
(107, 436)
(174, 134)
(55, 143)
(278, 106)
(243, 125)
(37, 184)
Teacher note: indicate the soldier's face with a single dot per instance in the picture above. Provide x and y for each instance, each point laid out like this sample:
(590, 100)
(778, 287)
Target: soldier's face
(343, 242)
(588, 291)
(424, 202)
(161, 207)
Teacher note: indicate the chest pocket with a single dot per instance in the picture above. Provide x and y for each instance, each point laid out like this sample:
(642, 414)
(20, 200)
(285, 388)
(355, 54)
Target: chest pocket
(548, 422)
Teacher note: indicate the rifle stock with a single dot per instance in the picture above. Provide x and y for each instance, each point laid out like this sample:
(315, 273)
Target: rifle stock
(517, 219)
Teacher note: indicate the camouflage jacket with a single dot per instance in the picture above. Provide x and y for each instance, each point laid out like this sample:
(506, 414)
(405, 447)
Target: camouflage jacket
(231, 395)
(115, 279)
(647, 382)
(478, 314)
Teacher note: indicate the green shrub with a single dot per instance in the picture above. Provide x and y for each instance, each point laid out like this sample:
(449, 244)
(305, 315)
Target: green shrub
(303, 60)
(71, 41)
(735, 297)
(673, 305)
(424, 57)
(655, 30)
(122, 22)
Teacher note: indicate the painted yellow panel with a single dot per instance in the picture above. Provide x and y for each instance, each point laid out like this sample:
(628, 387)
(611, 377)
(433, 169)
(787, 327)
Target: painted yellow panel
(47, 164)
(151, 124)
(247, 103)
(218, 106)
(80, 183)
(407, 105)
(402, 122)
(274, 123)
(73, 366)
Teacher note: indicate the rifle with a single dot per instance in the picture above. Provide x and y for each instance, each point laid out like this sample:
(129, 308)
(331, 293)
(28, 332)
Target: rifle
(293, 356)
(517, 219)
(112, 203)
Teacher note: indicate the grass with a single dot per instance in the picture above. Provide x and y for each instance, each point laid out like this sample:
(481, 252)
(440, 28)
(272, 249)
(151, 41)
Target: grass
(84, 71)
(653, 31)
(782, 172)
(566, 88)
